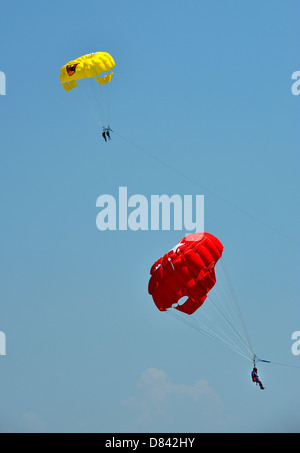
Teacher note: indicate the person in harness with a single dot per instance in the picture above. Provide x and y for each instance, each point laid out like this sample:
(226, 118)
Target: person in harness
(255, 378)
(106, 133)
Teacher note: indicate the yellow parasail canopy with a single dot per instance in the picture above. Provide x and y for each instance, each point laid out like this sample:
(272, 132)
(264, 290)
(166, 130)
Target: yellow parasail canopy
(94, 65)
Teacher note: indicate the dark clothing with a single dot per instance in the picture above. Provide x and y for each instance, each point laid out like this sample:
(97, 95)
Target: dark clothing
(255, 378)
(106, 133)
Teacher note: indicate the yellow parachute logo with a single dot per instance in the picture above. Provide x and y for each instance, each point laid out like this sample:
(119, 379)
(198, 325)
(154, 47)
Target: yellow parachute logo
(95, 65)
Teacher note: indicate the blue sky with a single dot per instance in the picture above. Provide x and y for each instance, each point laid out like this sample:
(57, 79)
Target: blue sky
(206, 89)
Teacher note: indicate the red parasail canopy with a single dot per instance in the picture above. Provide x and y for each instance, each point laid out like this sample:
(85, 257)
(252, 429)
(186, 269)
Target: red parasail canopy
(186, 271)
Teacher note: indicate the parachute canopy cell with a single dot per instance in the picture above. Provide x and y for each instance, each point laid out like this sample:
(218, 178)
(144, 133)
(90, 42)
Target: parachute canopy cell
(188, 270)
(98, 65)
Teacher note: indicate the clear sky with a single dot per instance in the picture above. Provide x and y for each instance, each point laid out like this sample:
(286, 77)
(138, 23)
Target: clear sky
(204, 87)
